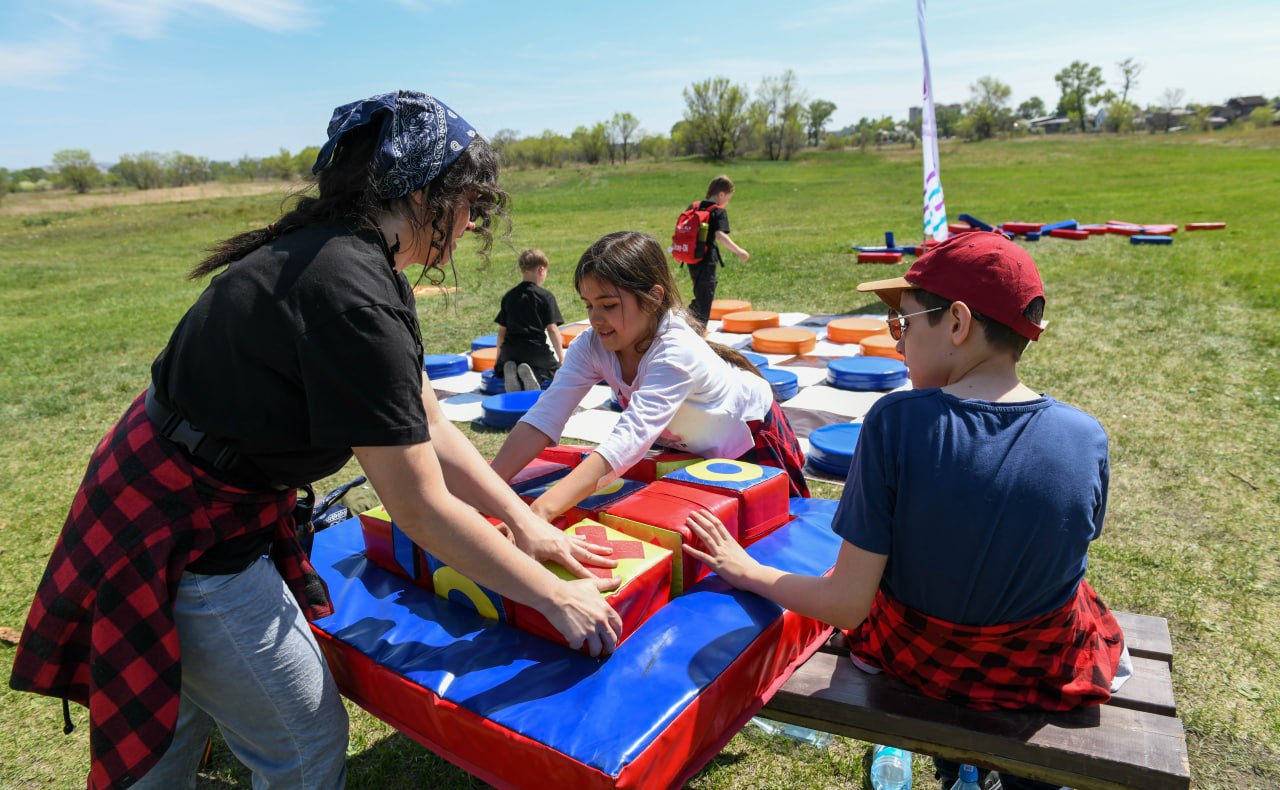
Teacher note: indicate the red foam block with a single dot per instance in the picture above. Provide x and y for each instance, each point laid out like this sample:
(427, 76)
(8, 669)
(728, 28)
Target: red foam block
(569, 454)
(1022, 227)
(657, 463)
(386, 546)
(762, 492)
(879, 257)
(645, 571)
(657, 514)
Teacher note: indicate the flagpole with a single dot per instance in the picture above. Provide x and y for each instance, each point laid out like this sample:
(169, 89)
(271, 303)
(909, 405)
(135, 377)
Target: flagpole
(935, 210)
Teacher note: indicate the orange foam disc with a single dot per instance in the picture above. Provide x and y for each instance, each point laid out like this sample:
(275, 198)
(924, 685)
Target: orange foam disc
(720, 307)
(880, 346)
(783, 340)
(746, 321)
(855, 330)
(568, 333)
(484, 358)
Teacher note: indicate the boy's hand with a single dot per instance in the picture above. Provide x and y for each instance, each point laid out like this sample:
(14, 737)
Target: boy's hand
(583, 617)
(722, 552)
(743, 254)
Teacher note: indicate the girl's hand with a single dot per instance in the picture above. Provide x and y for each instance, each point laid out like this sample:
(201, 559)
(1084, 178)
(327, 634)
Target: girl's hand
(721, 551)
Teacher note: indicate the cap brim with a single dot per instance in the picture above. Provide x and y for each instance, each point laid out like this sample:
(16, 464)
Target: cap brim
(889, 291)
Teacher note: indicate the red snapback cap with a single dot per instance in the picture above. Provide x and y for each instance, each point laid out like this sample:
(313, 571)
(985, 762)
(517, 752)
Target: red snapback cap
(986, 271)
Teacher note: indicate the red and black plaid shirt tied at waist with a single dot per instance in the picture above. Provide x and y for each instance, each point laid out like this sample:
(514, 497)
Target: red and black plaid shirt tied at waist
(776, 445)
(1061, 660)
(101, 629)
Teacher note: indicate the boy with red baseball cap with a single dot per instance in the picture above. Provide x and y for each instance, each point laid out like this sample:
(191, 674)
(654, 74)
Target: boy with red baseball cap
(969, 507)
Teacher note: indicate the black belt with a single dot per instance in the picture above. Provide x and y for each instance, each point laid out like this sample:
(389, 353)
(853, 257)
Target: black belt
(210, 449)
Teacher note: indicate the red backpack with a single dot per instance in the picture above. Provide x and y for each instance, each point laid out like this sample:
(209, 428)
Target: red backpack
(689, 242)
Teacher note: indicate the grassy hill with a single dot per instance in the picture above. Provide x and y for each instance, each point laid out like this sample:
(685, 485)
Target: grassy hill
(1175, 349)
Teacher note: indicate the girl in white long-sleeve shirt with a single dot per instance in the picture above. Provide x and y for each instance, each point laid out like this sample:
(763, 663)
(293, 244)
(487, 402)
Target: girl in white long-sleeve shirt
(677, 390)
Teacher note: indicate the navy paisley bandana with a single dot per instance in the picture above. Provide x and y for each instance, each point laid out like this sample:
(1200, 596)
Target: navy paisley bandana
(419, 137)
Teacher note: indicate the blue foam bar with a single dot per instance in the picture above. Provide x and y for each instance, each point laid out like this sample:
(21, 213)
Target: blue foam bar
(974, 222)
(1032, 235)
(1068, 224)
(1141, 239)
(888, 239)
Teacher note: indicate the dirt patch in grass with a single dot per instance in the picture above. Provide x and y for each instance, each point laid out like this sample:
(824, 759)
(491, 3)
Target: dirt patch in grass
(41, 202)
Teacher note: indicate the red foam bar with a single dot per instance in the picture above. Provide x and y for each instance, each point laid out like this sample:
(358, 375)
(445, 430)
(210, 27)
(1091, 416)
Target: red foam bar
(1159, 230)
(959, 228)
(657, 514)
(1122, 223)
(569, 454)
(1068, 233)
(1124, 230)
(1022, 227)
(1096, 230)
(1206, 225)
(879, 257)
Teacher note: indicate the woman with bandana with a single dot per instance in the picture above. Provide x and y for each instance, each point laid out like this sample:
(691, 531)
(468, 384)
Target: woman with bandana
(159, 609)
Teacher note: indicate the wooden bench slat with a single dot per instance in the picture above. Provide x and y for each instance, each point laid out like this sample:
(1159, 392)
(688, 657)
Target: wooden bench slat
(1150, 689)
(1147, 637)
(1101, 746)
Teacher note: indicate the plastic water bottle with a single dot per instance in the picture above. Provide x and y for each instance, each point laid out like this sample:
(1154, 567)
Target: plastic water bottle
(815, 738)
(890, 768)
(968, 779)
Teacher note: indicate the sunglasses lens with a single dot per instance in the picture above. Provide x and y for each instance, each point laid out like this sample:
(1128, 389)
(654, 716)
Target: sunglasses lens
(895, 325)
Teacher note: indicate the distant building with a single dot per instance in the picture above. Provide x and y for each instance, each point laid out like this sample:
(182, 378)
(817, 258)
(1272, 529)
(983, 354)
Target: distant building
(916, 114)
(1241, 106)
(1050, 124)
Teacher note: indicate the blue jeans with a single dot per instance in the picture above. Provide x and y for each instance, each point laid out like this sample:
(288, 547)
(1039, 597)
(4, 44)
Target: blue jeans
(251, 665)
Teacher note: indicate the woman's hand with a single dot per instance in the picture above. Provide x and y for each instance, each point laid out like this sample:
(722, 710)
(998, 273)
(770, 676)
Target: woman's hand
(582, 616)
(721, 551)
(543, 542)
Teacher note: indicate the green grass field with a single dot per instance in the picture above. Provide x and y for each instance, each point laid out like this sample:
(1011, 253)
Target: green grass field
(1175, 349)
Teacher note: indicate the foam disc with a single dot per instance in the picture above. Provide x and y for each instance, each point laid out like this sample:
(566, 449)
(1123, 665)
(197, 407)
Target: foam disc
(484, 358)
(492, 384)
(485, 341)
(759, 360)
(783, 340)
(831, 447)
(785, 383)
(866, 373)
(854, 330)
(722, 307)
(442, 366)
(505, 410)
(880, 346)
(747, 321)
(568, 333)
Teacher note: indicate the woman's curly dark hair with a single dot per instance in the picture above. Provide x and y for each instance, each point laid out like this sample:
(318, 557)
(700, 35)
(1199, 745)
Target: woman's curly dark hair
(346, 192)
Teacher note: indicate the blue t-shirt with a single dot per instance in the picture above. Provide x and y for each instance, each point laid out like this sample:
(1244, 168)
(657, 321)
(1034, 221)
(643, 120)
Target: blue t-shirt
(986, 510)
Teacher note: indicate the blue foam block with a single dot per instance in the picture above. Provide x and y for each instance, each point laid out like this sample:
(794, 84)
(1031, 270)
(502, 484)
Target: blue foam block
(1032, 235)
(785, 383)
(866, 373)
(1141, 239)
(442, 366)
(1068, 224)
(831, 447)
(974, 222)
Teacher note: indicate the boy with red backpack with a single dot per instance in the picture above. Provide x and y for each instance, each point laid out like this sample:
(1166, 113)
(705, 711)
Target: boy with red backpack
(700, 249)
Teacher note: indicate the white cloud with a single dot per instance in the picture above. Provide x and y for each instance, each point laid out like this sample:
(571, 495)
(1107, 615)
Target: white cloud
(149, 18)
(39, 64)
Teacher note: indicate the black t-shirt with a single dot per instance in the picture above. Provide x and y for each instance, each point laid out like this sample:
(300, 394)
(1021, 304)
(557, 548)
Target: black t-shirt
(303, 349)
(719, 221)
(526, 312)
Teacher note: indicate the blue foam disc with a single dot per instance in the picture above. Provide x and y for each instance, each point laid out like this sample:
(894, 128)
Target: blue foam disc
(442, 366)
(831, 447)
(759, 360)
(484, 341)
(785, 383)
(505, 410)
(491, 384)
(866, 373)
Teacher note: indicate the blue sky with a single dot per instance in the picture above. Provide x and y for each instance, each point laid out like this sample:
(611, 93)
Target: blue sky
(225, 78)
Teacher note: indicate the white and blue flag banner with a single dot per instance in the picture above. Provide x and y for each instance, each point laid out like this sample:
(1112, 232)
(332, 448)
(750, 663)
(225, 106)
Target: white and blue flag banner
(935, 209)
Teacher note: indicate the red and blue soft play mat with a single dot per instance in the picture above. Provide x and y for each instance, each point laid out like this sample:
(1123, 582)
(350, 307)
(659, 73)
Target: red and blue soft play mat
(522, 712)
